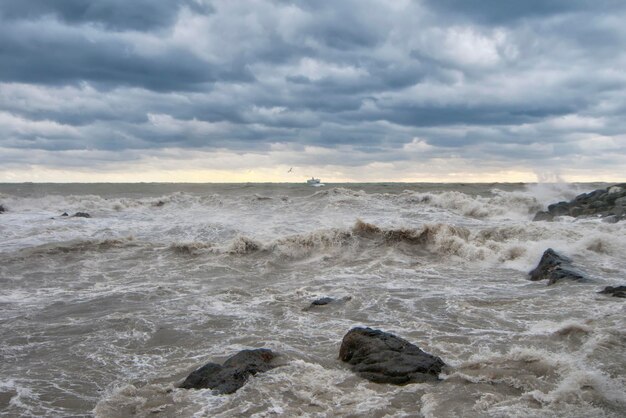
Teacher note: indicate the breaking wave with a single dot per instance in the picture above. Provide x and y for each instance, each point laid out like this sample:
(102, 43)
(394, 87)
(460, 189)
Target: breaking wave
(80, 246)
(497, 204)
(438, 239)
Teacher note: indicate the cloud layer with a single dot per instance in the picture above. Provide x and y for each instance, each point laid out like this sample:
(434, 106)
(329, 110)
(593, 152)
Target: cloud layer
(353, 90)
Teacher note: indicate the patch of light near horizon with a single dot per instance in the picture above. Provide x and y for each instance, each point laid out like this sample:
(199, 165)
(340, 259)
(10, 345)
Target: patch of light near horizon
(199, 167)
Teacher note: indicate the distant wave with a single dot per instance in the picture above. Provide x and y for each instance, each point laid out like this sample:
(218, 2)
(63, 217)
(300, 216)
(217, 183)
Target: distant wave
(515, 204)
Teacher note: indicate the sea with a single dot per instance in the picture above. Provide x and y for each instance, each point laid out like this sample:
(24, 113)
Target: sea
(105, 316)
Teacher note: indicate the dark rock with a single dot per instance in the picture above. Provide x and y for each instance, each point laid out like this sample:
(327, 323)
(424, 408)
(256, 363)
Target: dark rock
(2, 209)
(581, 198)
(81, 215)
(64, 214)
(384, 358)
(596, 194)
(233, 374)
(327, 301)
(159, 204)
(610, 198)
(554, 267)
(559, 209)
(322, 301)
(617, 291)
(575, 211)
(598, 204)
(543, 216)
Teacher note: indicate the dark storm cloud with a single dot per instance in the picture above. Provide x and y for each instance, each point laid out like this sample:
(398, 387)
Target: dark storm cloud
(113, 14)
(503, 12)
(46, 55)
(460, 115)
(480, 79)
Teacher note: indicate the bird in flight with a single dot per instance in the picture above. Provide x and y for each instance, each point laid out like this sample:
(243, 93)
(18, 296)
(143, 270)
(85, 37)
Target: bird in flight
(290, 170)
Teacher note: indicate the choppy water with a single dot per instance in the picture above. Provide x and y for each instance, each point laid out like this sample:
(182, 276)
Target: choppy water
(104, 316)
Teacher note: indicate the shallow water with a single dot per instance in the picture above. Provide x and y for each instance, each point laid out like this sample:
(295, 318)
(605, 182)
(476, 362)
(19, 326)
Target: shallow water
(106, 315)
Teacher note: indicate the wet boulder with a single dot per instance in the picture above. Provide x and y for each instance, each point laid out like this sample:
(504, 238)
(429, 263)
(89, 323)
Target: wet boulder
(2, 209)
(324, 301)
(559, 209)
(384, 358)
(617, 291)
(233, 374)
(81, 215)
(554, 267)
(64, 214)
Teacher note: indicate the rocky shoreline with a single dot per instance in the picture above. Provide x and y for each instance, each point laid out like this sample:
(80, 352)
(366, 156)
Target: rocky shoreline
(608, 203)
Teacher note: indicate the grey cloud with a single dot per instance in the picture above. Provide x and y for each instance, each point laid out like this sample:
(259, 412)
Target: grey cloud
(503, 12)
(113, 14)
(37, 54)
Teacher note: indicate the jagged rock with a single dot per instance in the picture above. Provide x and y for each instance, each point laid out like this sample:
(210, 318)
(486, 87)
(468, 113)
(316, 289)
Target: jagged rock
(554, 267)
(575, 211)
(81, 215)
(327, 301)
(64, 214)
(602, 202)
(558, 209)
(384, 358)
(617, 291)
(233, 374)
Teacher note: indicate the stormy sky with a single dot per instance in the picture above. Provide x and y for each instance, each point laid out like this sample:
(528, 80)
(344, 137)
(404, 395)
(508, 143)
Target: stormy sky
(352, 90)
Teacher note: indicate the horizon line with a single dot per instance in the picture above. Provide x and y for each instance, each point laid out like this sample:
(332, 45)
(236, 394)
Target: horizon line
(305, 184)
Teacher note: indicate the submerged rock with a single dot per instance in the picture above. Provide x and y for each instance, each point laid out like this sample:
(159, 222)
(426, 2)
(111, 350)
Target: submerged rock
(233, 374)
(64, 214)
(611, 219)
(617, 291)
(384, 358)
(2, 209)
(322, 301)
(81, 215)
(327, 301)
(543, 216)
(554, 267)
(606, 203)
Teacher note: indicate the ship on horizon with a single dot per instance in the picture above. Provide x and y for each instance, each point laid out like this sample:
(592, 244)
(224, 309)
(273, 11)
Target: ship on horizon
(314, 182)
